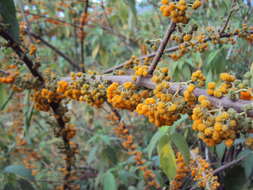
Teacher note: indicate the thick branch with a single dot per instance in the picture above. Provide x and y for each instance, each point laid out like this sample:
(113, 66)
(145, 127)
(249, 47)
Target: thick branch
(224, 102)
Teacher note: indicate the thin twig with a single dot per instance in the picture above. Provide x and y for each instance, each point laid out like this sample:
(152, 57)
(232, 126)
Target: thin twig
(229, 16)
(228, 165)
(28, 25)
(170, 50)
(21, 54)
(125, 39)
(83, 22)
(162, 47)
(56, 50)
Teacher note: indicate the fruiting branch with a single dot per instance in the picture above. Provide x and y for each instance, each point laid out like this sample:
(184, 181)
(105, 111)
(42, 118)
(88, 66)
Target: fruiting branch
(171, 49)
(146, 82)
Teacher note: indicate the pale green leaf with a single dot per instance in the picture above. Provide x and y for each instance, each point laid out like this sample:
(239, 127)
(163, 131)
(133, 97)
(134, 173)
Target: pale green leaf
(167, 157)
(109, 182)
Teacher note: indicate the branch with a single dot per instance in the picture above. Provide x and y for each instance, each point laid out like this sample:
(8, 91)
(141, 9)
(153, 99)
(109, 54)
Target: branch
(170, 50)
(83, 22)
(229, 17)
(21, 55)
(56, 50)
(56, 107)
(25, 19)
(106, 29)
(162, 47)
(229, 164)
(146, 82)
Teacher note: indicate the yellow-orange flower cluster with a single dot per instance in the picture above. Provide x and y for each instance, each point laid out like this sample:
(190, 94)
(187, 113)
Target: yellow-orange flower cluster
(188, 94)
(43, 98)
(125, 96)
(182, 171)
(214, 127)
(203, 174)
(199, 78)
(176, 11)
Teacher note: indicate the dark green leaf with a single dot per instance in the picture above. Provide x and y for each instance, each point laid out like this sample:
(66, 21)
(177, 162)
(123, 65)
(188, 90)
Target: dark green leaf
(25, 185)
(182, 145)
(8, 14)
(155, 139)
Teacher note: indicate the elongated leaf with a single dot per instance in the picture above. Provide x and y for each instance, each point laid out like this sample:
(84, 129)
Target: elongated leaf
(182, 145)
(212, 56)
(167, 157)
(109, 182)
(8, 17)
(20, 171)
(220, 149)
(155, 139)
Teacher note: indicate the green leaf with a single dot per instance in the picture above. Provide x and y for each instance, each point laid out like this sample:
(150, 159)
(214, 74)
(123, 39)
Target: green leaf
(95, 51)
(109, 182)
(212, 56)
(182, 145)
(5, 103)
(20, 171)
(235, 178)
(25, 185)
(177, 123)
(8, 17)
(155, 139)
(9, 186)
(247, 163)
(220, 149)
(167, 157)
(92, 154)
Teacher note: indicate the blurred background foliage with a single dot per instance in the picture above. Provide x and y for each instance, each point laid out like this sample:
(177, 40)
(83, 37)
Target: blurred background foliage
(115, 30)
